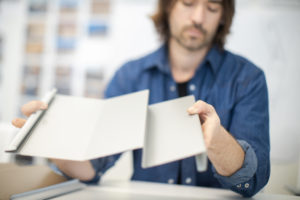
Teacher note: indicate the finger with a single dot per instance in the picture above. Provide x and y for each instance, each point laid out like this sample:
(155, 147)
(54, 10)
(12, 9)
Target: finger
(18, 122)
(32, 107)
(200, 107)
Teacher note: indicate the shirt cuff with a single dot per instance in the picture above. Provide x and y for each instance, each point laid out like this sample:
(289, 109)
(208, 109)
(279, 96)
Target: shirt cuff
(245, 173)
(94, 180)
(98, 165)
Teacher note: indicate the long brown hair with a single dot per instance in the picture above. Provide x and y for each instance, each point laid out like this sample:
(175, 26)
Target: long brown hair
(160, 19)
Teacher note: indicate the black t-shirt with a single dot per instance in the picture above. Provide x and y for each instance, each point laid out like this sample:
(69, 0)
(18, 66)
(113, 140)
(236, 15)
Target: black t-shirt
(182, 91)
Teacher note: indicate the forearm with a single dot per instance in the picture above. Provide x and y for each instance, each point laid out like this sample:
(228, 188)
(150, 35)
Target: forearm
(225, 153)
(223, 150)
(81, 170)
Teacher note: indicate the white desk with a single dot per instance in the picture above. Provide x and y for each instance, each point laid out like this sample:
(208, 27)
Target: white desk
(135, 190)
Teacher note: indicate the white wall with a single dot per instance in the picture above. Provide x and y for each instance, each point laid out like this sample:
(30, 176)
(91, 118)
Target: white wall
(268, 34)
(13, 28)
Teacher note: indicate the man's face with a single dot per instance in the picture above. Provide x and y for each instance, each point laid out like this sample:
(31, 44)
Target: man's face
(193, 23)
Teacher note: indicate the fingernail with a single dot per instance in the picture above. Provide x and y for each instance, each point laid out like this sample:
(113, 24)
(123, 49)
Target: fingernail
(44, 106)
(192, 109)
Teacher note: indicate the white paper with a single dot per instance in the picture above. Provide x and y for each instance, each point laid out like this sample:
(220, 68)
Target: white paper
(172, 134)
(77, 128)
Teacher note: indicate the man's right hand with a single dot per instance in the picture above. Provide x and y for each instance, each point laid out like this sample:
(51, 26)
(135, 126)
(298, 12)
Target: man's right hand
(81, 170)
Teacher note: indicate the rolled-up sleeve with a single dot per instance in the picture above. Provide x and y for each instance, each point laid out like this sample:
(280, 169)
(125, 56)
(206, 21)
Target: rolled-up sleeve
(250, 126)
(101, 165)
(241, 179)
(245, 173)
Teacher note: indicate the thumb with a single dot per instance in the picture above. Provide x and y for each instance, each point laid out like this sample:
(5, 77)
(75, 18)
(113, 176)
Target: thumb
(18, 122)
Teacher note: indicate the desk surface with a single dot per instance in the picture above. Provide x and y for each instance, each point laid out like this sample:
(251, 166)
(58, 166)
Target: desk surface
(135, 190)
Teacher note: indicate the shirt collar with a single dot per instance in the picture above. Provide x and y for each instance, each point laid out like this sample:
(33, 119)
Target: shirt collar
(160, 59)
(214, 57)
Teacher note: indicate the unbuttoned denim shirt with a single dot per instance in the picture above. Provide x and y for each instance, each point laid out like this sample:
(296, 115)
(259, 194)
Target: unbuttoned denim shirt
(234, 86)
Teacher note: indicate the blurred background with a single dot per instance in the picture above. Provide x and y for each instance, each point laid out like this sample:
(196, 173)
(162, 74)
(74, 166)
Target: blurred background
(76, 45)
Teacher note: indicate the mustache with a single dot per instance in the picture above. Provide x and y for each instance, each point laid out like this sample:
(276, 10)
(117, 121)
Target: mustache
(199, 27)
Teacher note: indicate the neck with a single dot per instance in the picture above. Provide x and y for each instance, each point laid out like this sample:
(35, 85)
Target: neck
(184, 62)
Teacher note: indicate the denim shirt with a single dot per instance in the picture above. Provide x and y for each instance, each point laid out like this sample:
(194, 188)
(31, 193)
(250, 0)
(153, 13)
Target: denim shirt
(234, 86)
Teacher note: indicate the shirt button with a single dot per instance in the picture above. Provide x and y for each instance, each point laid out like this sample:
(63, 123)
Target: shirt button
(239, 186)
(188, 180)
(171, 181)
(172, 88)
(192, 87)
(247, 185)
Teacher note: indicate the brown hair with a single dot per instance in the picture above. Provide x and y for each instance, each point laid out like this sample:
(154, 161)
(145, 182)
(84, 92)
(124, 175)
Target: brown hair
(160, 19)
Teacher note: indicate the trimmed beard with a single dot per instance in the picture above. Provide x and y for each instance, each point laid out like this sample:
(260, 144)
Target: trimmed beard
(181, 40)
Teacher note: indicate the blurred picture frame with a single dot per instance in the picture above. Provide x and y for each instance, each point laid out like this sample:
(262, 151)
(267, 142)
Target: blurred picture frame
(94, 82)
(100, 7)
(35, 34)
(63, 79)
(37, 7)
(68, 7)
(30, 80)
(97, 29)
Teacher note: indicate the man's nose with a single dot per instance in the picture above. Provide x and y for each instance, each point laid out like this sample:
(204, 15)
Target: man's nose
(198, 14)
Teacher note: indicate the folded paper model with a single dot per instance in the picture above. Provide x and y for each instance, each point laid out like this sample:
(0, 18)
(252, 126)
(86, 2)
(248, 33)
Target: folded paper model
(78, 128)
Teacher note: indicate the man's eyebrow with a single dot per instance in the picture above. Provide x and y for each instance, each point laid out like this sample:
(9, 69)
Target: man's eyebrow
(215, 1)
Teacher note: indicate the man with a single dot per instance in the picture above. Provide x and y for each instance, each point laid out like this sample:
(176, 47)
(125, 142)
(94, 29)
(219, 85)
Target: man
(232, 94)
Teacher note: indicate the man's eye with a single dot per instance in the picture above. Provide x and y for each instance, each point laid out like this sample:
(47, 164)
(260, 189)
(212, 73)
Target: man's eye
(213, 7)
(188, 2)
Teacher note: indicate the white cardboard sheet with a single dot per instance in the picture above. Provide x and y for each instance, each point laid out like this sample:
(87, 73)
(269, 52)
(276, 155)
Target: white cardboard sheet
(76, 128)
(172, 134)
